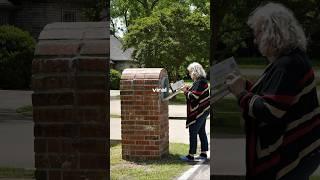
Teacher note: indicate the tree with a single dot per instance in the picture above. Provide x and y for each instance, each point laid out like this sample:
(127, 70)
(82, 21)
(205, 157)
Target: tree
(127, 11)
(231, 33)
(168, 37)
(93, 11)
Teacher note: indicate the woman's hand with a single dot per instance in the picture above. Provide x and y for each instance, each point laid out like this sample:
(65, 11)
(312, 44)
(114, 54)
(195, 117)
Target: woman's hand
(185, 88)
(236, 84)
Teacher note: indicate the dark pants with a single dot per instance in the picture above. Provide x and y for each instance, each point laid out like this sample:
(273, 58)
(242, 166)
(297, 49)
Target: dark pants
(199, 127)
(305, 168)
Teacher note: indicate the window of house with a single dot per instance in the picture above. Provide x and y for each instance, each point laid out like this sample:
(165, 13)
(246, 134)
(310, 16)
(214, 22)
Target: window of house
(4, 19)
(69, 16)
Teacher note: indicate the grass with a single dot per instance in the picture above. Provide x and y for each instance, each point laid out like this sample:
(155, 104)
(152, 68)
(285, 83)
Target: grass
(25, 110)
(179, 99)
(16, 173)
(115, 116)
(227, 118)
(260, 62)
(315, 178)
(166, 168)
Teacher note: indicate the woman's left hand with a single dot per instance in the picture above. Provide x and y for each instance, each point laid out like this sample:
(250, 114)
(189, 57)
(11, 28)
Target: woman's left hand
(185, 88)
(236, 84)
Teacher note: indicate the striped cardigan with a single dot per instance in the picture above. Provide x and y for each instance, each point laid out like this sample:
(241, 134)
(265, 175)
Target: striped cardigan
(281, 113)
(197, 100)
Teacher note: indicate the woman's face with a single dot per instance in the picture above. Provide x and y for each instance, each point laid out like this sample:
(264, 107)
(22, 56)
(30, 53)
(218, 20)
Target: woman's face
(191, 75)
(257, 36)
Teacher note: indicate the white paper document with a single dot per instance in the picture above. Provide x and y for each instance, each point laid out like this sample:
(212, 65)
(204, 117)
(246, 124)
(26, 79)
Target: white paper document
(177, 85)
(218, 75)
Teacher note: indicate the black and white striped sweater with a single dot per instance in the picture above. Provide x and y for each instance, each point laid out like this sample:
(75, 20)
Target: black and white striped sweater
(197, 100)
(282, 117)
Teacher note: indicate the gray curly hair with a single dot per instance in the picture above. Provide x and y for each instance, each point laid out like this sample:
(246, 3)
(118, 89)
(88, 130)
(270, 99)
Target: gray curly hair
(196, 70)
(280, 31)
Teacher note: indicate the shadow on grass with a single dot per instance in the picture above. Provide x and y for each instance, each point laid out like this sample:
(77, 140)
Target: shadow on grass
(114, 142)
(165, 160)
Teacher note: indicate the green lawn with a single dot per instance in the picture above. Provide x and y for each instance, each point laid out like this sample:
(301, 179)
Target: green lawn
(227, 118)
(260, 62)
(25, 110)
(16, 173)
(179, 99)
(164, 169)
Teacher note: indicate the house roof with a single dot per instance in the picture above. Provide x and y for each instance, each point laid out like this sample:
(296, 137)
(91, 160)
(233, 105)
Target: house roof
(6, 4)
(116, 50)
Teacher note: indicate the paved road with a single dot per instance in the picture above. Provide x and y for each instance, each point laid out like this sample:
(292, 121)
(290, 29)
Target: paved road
(16, 141)
(13, 99)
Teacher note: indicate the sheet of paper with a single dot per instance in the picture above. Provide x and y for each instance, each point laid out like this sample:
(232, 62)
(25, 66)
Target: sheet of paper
(177, 85)
(218, 74)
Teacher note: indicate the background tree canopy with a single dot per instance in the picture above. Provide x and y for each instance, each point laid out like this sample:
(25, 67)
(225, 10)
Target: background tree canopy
(232, 34)
(165, 33)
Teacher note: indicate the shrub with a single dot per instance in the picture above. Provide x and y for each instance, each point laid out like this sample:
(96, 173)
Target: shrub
(115, 77)
(16, 54)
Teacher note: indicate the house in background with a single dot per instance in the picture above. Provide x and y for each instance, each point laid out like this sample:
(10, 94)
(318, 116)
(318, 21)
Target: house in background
(120, 59)
(33, 15)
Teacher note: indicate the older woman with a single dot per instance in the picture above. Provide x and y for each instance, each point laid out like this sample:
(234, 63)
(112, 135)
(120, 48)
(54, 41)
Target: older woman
(281, 109)
(197, 110)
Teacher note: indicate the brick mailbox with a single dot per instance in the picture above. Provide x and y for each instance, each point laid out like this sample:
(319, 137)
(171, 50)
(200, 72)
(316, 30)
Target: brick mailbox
(71, 102)
(144, 113)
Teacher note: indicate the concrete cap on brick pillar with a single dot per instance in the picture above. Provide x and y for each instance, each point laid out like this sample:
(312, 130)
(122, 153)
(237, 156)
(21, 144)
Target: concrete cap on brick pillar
(75, 38)
(143, 73)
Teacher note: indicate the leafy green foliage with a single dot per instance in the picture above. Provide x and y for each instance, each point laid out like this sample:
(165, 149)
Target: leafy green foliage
(233, 35)
(93, 13)
(16, 55)
(169, 37)
(114, 77)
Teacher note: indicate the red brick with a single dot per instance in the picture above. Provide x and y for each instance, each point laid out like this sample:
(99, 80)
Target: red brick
(95, 47)
(57, 48)
(91, 82)
(128, 142)
(72, 175)
(41, 161)
(123, 122)
(152, 148)
(52, 99)
(55, 175)
(92, 65)
(142, 152)
(40, 174)
(62, 65)
(92, 98)
(141, 105)
(90, 115)
(96, 130)
(63, 161)
(126, 93)
(93, 162)
(152, 138)
(92, 146)
(52, 114)
(143, 142)
(55, 130)
(40, 146)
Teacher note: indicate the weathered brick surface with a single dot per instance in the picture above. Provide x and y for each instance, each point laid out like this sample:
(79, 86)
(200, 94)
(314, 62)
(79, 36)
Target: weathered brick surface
(70, 103)
(144, 116)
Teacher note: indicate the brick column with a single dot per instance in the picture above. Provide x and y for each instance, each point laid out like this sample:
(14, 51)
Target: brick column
(144, 116)
(71, 102)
